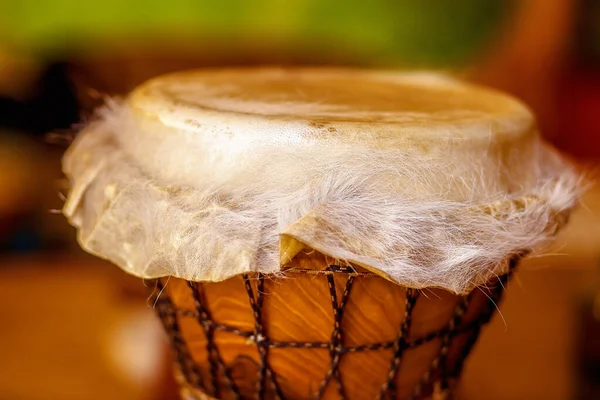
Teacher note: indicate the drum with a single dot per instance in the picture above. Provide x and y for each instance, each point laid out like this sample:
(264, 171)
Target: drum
(317, 233)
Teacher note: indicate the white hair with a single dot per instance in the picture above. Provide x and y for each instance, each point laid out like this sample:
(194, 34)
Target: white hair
(435, 218)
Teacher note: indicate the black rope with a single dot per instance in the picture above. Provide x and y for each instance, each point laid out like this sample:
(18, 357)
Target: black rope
(439, 373)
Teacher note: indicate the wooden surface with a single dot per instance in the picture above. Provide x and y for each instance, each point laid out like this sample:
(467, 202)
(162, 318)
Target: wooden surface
(57, 312)
(298, 308)
(65, 333)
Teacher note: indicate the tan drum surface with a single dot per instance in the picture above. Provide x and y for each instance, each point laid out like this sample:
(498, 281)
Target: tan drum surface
(320, 331)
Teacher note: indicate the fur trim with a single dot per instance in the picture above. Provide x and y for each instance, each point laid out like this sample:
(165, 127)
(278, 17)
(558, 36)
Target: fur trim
(435, 218)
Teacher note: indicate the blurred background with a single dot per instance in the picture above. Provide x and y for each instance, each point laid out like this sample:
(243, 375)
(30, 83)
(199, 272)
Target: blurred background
(77, 328)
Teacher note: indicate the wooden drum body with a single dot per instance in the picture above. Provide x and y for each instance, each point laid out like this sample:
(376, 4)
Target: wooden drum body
(320, 331)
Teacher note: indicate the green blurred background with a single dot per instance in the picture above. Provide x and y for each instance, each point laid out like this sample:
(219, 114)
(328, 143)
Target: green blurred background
(408, 31)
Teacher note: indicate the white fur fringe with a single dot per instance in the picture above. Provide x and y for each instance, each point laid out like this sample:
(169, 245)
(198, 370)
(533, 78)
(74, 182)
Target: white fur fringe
(434, 220)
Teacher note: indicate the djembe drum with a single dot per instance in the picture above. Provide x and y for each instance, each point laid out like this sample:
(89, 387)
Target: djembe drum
(317, 233)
